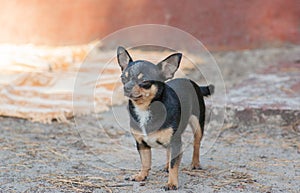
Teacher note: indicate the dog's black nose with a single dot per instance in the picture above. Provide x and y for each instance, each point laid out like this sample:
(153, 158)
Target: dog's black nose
(127, 88)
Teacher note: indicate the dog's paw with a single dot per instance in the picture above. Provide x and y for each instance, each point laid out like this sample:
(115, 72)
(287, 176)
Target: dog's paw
(196, 167)
(136, 178)
(165, 169)
(170, 186)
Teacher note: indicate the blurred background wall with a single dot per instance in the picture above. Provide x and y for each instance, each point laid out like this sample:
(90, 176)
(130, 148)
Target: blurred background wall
(219, 24)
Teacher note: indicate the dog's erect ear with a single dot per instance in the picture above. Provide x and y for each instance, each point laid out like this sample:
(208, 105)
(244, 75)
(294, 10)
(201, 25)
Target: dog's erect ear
(170, 65)
(123, 57)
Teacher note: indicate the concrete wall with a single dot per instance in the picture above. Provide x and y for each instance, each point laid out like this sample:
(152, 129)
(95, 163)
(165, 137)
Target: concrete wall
(219, 24)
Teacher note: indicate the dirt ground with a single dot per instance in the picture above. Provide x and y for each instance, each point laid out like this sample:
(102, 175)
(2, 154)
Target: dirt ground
(92, 154)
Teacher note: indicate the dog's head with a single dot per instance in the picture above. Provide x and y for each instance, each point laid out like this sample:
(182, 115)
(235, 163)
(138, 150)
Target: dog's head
(140, 77)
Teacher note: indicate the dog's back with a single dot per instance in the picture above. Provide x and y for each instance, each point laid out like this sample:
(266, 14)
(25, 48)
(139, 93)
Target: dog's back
(191, 100)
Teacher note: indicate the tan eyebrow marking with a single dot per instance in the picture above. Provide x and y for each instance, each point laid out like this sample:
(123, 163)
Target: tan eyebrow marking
(126, 74)
(140, 75)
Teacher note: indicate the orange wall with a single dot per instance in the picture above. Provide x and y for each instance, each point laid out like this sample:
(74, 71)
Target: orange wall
(219, 24)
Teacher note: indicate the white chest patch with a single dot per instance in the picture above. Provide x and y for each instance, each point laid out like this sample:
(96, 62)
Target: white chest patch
(143, 116)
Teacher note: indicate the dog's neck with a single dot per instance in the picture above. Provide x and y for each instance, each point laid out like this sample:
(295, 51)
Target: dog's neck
(141, 112)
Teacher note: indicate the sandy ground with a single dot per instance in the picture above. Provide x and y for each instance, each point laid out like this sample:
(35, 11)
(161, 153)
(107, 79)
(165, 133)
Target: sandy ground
(97, 153)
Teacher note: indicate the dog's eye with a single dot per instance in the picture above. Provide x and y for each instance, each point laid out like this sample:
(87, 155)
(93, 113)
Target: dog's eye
(145, 84)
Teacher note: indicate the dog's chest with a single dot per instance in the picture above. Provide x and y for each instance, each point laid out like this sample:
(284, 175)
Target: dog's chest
(143, 118)
(153, 138)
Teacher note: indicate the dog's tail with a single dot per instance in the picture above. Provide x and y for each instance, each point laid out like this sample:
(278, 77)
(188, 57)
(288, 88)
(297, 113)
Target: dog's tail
(207, 90)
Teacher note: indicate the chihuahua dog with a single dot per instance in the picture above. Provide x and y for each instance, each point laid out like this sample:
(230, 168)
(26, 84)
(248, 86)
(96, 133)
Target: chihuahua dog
(160, 111)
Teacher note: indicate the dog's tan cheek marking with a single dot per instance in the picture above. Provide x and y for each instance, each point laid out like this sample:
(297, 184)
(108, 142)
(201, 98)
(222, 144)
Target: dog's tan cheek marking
(151, 92)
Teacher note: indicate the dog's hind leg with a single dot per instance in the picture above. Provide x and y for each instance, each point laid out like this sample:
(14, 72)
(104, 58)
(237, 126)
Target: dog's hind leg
(194, 123)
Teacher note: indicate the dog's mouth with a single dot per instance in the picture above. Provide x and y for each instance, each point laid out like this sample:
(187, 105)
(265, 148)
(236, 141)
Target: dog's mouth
(135, 98)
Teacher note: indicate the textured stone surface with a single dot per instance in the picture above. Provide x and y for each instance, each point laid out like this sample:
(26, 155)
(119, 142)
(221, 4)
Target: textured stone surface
(270, 95)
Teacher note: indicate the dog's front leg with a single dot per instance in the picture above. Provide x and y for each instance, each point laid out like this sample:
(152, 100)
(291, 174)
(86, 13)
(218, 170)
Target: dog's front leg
(145, 155)
(166, 168)
(175, 159)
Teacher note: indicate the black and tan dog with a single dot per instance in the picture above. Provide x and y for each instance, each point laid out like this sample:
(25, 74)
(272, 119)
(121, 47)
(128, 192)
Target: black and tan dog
(160, 111)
